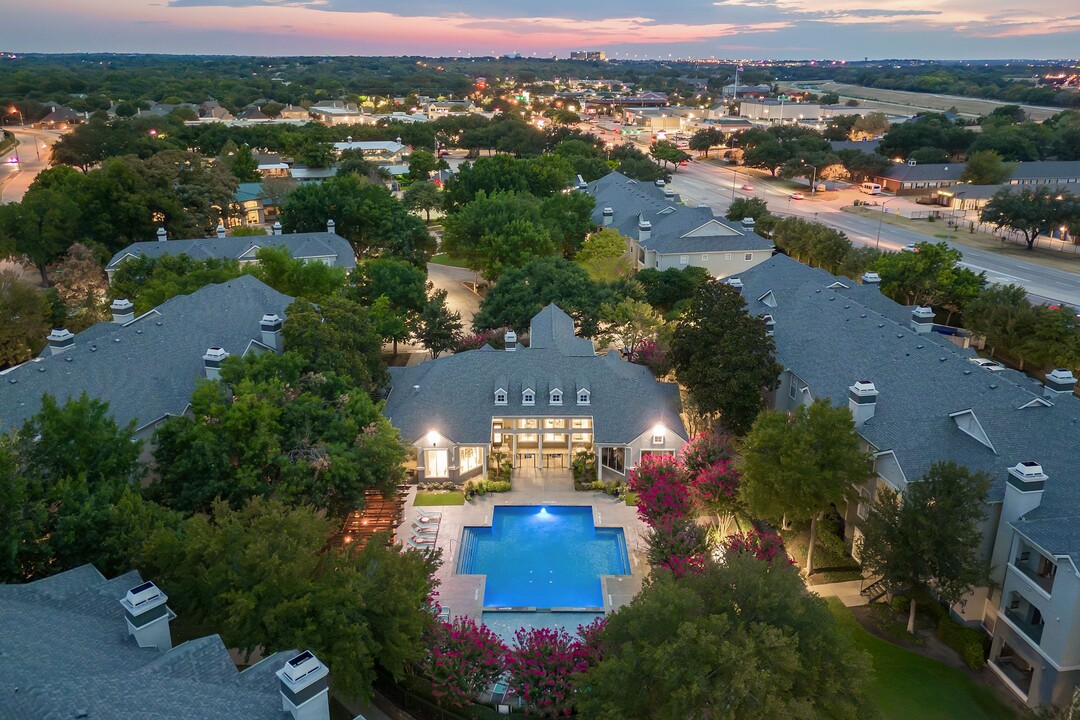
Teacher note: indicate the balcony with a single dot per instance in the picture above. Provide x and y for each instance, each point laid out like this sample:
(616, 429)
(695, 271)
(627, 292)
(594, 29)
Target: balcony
(1032, 630)
(1044, 582)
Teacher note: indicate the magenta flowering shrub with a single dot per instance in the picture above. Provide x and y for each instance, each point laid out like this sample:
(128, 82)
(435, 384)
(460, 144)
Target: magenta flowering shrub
(677, 543)
(543, 663)
(475, 341)
(716, 486)
(661, 487)
(652, 356)
(464, 659)
(767, 546)
(706, 449)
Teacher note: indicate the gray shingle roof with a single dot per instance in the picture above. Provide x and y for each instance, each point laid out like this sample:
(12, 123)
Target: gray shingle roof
(305, 246)
(66, 650)
(926, 173)
(831, 338)
(148, 367)
(632, 201)
(456, 394)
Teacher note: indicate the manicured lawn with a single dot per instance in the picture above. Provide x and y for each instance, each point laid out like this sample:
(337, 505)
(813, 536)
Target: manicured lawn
(429, 499)
(444, 259)
(831, 561)
(907, 685)
(631, 499)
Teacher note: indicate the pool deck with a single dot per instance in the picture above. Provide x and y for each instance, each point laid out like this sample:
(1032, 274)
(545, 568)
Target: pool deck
(463, 594)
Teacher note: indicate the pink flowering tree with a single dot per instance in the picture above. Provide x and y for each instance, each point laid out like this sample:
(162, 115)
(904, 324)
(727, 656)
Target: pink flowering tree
(716, 490)
(763, 545)
(660, 484)
(704, 450)
(464, 659)
(677, 543)
(543, 664)
(653, 356)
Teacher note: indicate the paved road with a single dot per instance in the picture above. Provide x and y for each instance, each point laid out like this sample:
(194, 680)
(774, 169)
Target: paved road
(33, 154)
(458, 297)
(711, 184)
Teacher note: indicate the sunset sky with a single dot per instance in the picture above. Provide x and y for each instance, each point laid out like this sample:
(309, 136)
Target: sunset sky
(841, 29)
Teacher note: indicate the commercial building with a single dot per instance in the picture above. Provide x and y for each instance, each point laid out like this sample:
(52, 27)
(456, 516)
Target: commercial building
(778, 111)
(590, 55)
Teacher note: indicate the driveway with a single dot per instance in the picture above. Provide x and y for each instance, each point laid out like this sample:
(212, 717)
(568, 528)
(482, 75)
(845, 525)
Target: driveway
(456, 282)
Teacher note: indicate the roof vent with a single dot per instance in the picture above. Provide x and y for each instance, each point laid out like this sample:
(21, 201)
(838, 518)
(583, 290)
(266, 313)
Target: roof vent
(276, 230)
(1059, 381)
(871, 278)
(1027, 476)
(162, 236)
(609, 216)
(862, 401)
(735, 283)
(220, 230)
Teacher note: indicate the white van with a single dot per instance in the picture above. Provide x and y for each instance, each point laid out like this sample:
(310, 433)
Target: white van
(870, 188)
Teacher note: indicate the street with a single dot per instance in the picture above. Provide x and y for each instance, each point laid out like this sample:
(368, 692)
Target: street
(32, 155)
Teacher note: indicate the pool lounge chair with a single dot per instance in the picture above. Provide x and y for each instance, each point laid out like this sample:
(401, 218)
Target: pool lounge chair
(421, 528)
(423, 539)
(431, 516)
(421, 544)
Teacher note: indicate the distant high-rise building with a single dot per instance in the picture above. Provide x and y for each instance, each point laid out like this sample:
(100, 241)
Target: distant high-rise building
(591, 55)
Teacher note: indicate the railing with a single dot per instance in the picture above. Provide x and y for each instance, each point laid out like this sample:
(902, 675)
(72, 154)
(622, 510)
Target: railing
(1044, 583)
(466, 551)
(1033, 631)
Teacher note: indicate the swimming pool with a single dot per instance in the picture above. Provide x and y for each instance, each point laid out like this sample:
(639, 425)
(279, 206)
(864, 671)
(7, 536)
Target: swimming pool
(506, 624)
(543, 557)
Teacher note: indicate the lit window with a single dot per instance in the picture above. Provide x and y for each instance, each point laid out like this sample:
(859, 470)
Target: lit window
(500, 398)
(469, 458)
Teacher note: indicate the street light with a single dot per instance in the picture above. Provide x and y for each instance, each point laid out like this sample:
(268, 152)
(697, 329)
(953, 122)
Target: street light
(877, 243)
(15, 110)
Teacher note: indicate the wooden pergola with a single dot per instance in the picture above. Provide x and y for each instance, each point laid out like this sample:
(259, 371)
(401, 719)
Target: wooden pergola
(381, 514)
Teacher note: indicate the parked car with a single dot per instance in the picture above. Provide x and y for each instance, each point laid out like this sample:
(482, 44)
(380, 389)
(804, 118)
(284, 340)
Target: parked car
(748, 187)
(797, 196)
(991, 365)
(444, 153)
(911, 247)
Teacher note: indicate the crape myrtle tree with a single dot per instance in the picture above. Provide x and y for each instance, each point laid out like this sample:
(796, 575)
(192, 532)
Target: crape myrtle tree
(723, 357)
(930, 536)
(802, 464)
(741, 639)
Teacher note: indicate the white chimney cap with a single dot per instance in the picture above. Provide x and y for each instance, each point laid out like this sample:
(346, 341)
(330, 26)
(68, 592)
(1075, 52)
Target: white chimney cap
(734, 282)
(121, 304)
(1061, 375)
(871, 277)
(270, 319)
(644, 225)
(300, 666)
(1028, 468)
(60, 334)
(277, 223)
(864, 387)
(216, 354)
(609, 211)
(142, 594)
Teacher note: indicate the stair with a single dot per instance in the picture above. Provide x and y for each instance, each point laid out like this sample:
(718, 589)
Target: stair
(874, 591)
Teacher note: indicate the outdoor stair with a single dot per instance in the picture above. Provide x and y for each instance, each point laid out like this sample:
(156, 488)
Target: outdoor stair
(874, 591)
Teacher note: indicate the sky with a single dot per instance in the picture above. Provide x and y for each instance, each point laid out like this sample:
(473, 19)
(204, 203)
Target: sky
(745, 29)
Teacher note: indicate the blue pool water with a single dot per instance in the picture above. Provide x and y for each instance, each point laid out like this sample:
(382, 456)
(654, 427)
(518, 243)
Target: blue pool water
(543, 557)
(506, 624)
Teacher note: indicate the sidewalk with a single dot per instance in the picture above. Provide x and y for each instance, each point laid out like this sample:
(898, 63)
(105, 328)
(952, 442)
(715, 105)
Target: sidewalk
(847, 592)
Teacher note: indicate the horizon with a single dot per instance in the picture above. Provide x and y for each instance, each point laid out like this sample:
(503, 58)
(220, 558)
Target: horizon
(778, 30)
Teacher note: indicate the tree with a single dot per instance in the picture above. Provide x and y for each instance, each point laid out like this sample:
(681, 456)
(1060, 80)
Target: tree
(312, 280)
(862, 166)
(932, 275)
(742, 639)
(262, 575)
(870, 125)
(629, 322)
(755, 208)
(985, 167)
(464, 660)
(704, 140)
(929, 537)
(495, 233)
(149, 281)
(666, 152)
(525, 291)
(314, 154)
(802, 465)
(723, 357)
(767, 156)
(1028, 210)
(403, 284)
(82, 285)
(422, 163)
(24, 319)
(244, 165)
(672, 288)
(336, 336)
(604, 255)
(543, 664)
(390, 323)
(423, 196)
(438, 328)
(41, 227)
(569, 215)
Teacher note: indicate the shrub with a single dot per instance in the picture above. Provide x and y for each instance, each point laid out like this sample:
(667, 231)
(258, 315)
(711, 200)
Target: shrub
(901, 604)
(970, 643)
(497, 486)
(464, 658)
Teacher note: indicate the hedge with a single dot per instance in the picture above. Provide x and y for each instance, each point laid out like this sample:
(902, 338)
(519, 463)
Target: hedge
(970, 643)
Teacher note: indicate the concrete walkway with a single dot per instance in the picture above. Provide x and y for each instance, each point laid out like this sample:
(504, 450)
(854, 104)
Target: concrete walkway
(848, 592)
(464, 594)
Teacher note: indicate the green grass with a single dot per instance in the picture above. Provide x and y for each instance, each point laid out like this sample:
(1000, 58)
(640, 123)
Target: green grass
(444, 259)
(430, 499)
(831, 561)
(631, 499)
(906, 685)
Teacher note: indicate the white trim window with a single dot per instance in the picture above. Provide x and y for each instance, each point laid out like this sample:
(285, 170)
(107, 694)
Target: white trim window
(500, 397)
(555, 397)
(748, 257)
(684, 259)
(583, 397)
(470, 458)
(435, 463)
(658, 438)
(528, 397)
(704, 257)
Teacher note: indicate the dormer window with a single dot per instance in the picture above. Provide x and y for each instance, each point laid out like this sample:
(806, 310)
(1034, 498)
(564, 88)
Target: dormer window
(528, 397)
(583, 397)
(500, 397)
(556, 397)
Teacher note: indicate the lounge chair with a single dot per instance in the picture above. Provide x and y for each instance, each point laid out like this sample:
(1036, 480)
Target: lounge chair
(420, 545)
(428, 527)
(425, 533)
(431, 516)
(423, 540)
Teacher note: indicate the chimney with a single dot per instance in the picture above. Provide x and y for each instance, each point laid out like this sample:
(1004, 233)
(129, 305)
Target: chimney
(122, 311)
(1059, 381)
(304, 688)
(609, 216)
(871, 278)
(510, 340)
(922, 319)
(220, 230)
(162, 236)
(271, 331)
(911, 162)
(660, 183)
(276, 229)
(770, 325)
(60, 340)
(1023, 493)
(735, 283)
(330, 225)
(669, 194)
(580, 184)
(148, 616)
(862, 401)
(348, 138)
(749, 223)
(212, 362)
(644, 230)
